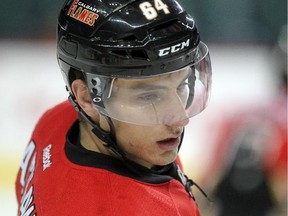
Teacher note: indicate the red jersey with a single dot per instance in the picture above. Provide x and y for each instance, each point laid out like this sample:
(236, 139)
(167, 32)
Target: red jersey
(60, 177)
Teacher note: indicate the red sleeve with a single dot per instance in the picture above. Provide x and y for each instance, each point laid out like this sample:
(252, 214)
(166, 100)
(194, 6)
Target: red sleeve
(64, 114)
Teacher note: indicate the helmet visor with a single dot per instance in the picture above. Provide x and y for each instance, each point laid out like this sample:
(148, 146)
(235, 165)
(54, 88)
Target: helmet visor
(163, 99)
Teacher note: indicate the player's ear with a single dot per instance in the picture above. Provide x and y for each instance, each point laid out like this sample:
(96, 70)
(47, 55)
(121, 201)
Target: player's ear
(81, 93)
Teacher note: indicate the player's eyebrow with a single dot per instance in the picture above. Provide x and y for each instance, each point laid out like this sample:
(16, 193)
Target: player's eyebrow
(145, 86)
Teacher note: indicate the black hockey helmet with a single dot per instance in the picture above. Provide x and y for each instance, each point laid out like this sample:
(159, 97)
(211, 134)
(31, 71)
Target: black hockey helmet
(134, 41)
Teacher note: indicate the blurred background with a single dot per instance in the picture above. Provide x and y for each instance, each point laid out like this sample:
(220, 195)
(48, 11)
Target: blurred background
(236, 150)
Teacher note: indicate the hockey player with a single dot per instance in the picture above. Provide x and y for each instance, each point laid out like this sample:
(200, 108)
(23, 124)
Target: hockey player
(136, 71)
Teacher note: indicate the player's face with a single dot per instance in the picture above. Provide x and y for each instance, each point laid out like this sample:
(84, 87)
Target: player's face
(157, 144)
(152, 145)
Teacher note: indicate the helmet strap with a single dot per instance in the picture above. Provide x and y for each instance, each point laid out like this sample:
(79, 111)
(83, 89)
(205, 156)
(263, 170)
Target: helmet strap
(108, 138)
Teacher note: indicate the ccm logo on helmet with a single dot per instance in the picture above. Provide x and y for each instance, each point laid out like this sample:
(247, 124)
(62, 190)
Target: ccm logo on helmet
(174, 49)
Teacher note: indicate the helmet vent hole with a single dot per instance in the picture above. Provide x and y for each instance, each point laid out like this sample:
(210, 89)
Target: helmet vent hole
(139, 54)
(131, 37)
(135, 54)
(121, 53)
(94, 90)
(166, 28)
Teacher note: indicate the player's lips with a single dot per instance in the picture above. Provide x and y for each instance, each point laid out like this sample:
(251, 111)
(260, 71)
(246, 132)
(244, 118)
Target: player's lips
(169, 144)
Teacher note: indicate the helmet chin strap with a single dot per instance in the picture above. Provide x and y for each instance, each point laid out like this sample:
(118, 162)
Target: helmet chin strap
(181, 140)
(108, 138)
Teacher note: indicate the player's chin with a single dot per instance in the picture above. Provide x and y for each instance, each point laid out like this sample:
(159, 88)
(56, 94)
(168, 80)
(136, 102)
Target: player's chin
(167, 157)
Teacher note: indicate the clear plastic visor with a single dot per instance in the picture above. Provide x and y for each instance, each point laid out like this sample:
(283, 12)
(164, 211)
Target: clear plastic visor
(165, 99)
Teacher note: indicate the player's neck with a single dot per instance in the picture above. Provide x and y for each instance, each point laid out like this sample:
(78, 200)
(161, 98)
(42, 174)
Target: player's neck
(91, 142)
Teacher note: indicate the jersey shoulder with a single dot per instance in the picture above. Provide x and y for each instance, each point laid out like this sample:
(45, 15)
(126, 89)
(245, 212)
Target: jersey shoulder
(57, 119)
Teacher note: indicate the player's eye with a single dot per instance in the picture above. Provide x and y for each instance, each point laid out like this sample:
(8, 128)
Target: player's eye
(148, 98)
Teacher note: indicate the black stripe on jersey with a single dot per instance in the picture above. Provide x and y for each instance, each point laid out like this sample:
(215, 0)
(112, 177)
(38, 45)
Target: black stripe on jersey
(77, 154)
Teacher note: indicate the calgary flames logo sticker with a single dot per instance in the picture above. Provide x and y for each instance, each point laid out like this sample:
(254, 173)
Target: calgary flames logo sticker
(83, 12)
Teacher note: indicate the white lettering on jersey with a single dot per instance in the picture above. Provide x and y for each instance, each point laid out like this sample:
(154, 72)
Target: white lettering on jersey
(175, 48)
(27, 173)
(46, 157)
(26, 208)
(25, 162)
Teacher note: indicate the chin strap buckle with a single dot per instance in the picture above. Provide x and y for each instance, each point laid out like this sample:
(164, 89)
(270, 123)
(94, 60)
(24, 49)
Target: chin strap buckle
(188, 183)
